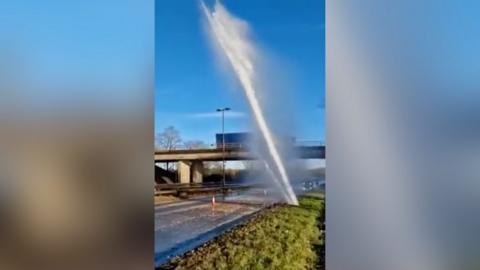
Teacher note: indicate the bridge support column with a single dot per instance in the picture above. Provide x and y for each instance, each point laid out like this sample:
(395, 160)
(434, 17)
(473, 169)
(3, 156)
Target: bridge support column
(197, 172)
(183, 168)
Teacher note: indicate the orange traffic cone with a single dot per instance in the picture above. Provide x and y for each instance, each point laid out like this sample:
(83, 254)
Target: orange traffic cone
(213, 205)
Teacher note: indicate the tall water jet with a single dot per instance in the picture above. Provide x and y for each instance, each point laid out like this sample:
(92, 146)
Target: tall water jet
(230, 34)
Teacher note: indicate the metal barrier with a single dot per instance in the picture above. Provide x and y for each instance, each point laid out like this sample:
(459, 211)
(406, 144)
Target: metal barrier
(309, 143)
(192, 188)
(229, 146)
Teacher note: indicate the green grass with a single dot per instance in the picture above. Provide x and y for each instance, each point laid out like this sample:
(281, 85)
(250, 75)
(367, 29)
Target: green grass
(283, 237)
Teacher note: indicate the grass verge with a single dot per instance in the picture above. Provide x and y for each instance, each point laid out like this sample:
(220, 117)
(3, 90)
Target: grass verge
(281, 237)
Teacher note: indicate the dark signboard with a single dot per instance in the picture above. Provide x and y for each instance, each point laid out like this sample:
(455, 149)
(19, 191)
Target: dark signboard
(238, 139)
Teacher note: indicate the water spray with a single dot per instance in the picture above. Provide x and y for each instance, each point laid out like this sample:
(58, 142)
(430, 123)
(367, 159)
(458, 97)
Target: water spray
(230, 34)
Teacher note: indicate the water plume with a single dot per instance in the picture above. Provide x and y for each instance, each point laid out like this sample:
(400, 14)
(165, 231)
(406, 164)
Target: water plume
(230, 34)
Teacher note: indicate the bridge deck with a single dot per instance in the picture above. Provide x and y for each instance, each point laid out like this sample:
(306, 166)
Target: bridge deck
(231, 153)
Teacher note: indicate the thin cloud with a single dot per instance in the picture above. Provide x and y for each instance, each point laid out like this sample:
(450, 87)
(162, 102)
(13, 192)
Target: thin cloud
(229, 114)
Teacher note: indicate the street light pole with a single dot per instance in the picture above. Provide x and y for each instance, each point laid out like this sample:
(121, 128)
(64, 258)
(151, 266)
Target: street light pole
(222, 110)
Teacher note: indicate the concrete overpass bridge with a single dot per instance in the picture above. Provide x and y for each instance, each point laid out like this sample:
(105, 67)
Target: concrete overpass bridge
(190, 161)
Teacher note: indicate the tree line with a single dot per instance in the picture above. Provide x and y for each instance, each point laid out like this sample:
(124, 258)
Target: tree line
(170, 139)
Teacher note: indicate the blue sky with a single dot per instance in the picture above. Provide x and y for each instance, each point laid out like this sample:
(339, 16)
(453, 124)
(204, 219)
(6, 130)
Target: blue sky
(190, 86)
(66, 51)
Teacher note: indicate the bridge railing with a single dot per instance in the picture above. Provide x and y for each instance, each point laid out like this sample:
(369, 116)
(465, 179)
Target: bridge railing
(310, 143)
(207, 147)
(233, 145)
(236, 146)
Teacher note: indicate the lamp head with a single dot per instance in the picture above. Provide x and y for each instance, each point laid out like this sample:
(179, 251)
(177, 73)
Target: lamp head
(223, 109)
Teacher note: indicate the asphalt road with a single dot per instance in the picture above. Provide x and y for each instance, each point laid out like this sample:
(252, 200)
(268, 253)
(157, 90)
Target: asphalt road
(181, 226)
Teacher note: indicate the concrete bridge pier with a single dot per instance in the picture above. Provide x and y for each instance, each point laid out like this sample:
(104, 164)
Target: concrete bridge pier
(197, 172)
(190, 171)
(183, 168)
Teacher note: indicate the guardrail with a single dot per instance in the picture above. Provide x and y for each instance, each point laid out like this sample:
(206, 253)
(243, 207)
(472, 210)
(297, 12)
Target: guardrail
(192, 188)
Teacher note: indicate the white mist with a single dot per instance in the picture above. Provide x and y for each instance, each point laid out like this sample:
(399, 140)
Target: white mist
(230, 33)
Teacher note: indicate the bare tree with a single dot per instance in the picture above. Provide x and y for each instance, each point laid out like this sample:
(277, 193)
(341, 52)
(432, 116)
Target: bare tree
(168, 139)
(195, 144)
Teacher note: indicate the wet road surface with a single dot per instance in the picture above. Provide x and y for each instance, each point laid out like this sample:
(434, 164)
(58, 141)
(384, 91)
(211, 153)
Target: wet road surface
(181, 226)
